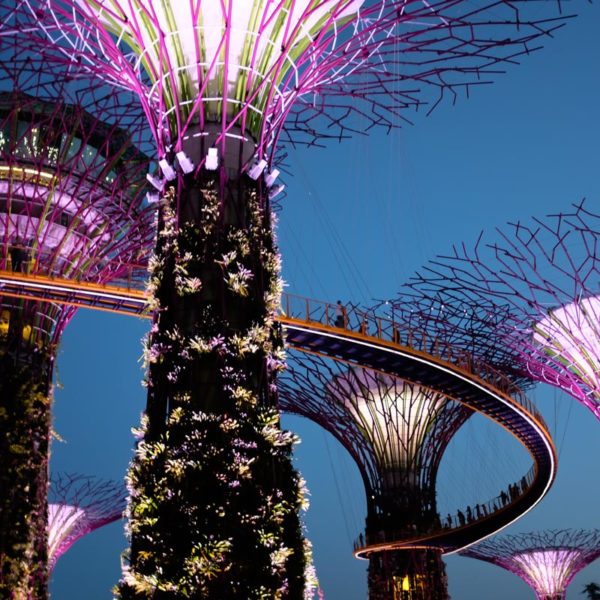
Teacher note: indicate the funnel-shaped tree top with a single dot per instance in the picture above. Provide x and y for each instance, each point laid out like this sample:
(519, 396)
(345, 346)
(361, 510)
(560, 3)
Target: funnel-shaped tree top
(543, 278)
(77, 505)
(72, 178)
(396, 430)
(569, 336)
(547, 561)
(393, 415)
(300, 68)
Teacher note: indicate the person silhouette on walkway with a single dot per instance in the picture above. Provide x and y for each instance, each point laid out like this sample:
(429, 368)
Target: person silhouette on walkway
(341, 316)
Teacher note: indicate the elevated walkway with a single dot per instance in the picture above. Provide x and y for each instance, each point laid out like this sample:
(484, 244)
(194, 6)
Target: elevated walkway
(365, 339)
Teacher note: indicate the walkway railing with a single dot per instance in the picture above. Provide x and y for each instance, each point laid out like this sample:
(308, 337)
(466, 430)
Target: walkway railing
(462, 518)
(355, 319)
(24, 262)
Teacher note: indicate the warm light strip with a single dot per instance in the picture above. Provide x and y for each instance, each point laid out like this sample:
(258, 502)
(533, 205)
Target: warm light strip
(515, 408)
(135, 297)
(25, 171)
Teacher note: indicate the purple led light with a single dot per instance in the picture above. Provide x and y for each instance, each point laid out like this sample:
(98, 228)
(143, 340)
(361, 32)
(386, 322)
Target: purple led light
(547, 561)
(249, 74)
(78, 505)
(72, 187)
(530, 292)
(570, 336)
(549, 571)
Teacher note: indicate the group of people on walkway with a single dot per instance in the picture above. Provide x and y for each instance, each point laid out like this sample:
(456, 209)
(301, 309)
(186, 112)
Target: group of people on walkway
(477, 512)
(481, 510)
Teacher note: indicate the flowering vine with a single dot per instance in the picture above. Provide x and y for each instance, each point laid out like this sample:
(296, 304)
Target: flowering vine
(214, 498)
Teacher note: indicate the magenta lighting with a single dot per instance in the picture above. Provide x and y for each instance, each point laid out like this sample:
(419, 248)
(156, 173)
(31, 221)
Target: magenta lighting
(72, 192)
(547, 561)
(226, 81)
(78, 505)
(534, 287)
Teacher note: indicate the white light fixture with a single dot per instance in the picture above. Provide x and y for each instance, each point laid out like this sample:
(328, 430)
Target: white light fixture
(257, 169)
(157, 182)
(186, 164)
(152, 198)
(276, 191)
(167, 170)
(271, 177)
(212, 160)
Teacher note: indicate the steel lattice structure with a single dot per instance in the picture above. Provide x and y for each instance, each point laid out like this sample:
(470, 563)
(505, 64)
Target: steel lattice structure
(397, 432)
(72, 204)
(77, 505)
(547, 561)
(72, 186)
(222, 84)
(244, 74)
(542, 279)
(477, 328)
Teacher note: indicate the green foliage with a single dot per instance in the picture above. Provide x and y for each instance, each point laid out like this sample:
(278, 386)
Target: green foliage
(214, 498)
(205, 517)
(24, 439)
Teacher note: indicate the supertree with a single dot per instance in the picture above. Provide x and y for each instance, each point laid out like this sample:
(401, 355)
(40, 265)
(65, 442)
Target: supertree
(71, 205)
(397, 432)
(222, 83)
(536, 286)
(547, 561)
(394, 396)
(77, 505)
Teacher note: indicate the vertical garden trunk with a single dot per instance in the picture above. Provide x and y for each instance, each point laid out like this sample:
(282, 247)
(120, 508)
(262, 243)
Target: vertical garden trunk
(406, 510)
(407, 575)
(214, 506)
(25, 380)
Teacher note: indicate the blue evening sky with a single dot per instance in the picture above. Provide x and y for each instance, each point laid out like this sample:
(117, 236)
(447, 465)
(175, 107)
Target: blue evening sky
(359, 219)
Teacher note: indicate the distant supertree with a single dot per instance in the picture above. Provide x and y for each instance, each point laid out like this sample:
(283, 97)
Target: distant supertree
(547, 561)
(537, 287)
(71, 206)
(78, 505)
(397, 432)
(222, 83)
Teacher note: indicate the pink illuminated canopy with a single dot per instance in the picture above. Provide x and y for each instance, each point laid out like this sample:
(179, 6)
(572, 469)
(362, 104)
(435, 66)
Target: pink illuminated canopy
(571, 335)
(548, 571)
(257, 71)
(532, 290)
(78, 505)
(547, 560)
